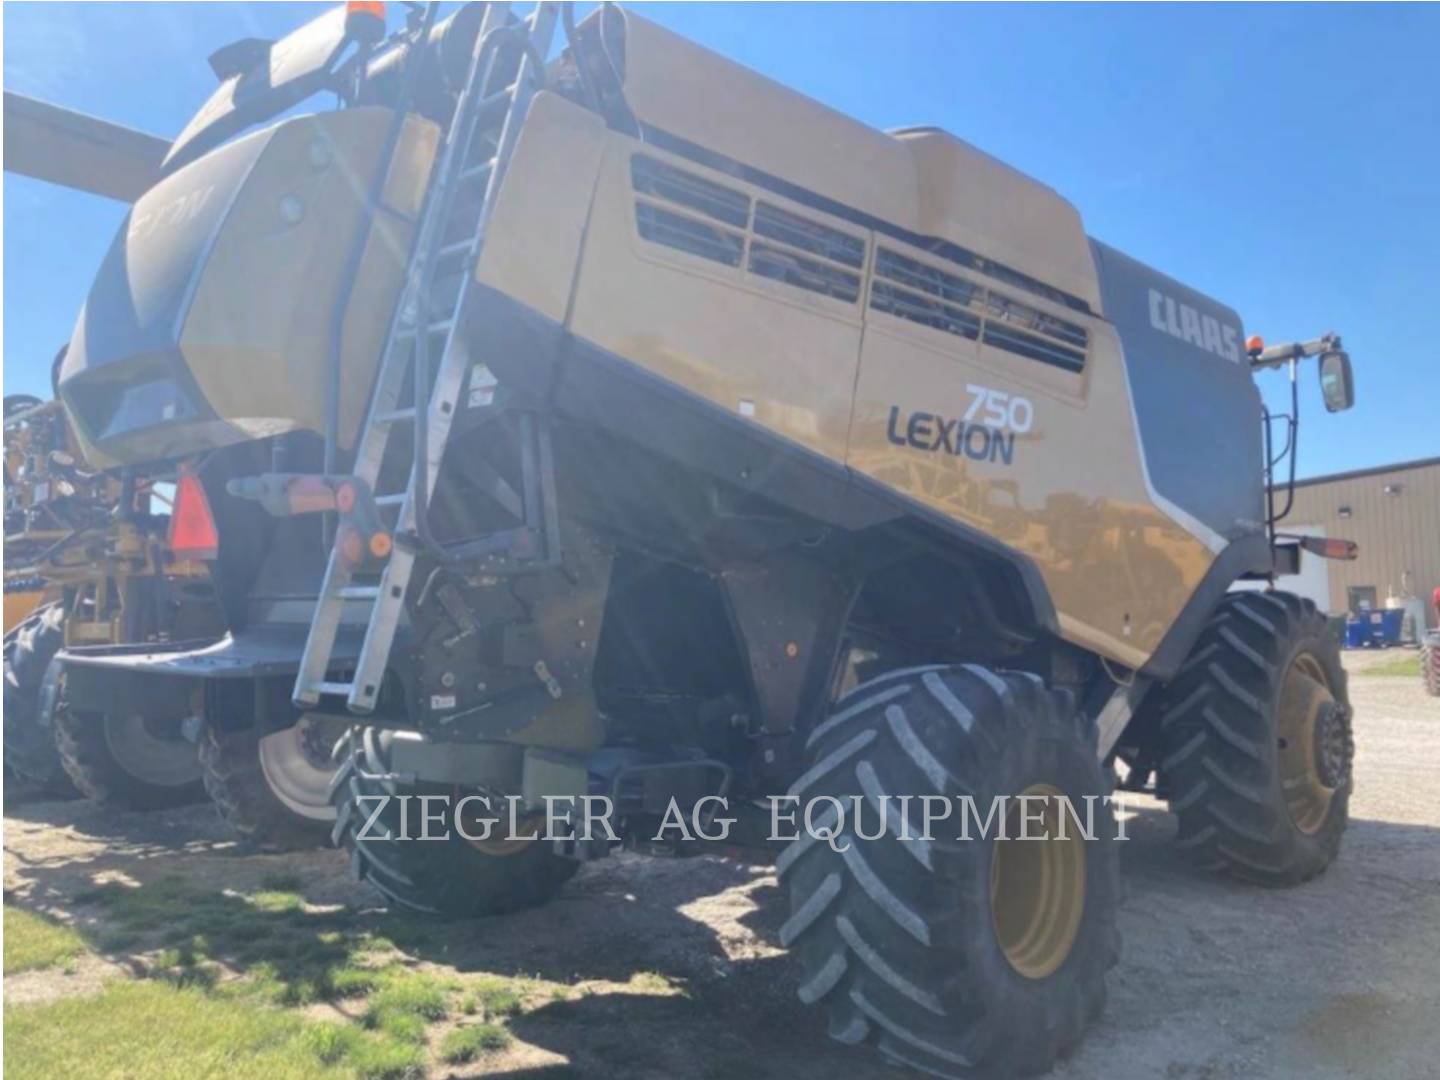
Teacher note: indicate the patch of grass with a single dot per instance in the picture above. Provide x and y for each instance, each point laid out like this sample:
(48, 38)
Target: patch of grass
(33, 941)
(292, 956)
(407, 1027)
(467, 1043)
(402, 1003)
(283, 881)
(163, 1032)
(276, 902)
(185, 967)
(496, 997)
(1401, 667)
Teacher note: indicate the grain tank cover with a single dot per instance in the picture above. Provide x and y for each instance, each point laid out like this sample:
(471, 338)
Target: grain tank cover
(210, 320)
(922, 181)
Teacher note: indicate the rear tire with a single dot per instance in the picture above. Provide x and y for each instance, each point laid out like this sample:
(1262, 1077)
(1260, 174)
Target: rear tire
(235, 779)
(30, 689)
(449, 877)
(938, 952)
(1257, 742)
(1430, 663)
(117, 759)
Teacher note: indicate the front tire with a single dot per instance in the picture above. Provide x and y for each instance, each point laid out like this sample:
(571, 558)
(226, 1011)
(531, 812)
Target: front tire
(128, 760)
(958, 957)
(31, 684)
(1257, 742)
(272, 790)
(451, 877)
(1430, 663)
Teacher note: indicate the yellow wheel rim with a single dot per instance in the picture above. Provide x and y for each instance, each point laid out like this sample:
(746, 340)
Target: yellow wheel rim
(1037, 887)
(1304, 696)
(500, 842)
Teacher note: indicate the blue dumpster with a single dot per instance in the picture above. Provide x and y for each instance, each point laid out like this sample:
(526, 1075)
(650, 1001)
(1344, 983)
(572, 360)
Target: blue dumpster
(1374, 629)
(1357, 632)
(1385, 626)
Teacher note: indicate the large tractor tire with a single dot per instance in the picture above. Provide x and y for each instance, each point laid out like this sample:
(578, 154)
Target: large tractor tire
(960, 957)
(451, 877)
(31, 685)
(1430, 662)
(131, 761)
(272, 790)
(1258, 743)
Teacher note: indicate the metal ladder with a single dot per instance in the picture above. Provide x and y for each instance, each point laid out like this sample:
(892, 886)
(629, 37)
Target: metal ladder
(471, 136)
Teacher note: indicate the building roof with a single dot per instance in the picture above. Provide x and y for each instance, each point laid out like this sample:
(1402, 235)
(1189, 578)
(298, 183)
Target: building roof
(1399, 466)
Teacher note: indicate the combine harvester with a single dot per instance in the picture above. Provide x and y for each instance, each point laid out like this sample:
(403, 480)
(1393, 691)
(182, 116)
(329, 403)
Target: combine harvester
(627, 424)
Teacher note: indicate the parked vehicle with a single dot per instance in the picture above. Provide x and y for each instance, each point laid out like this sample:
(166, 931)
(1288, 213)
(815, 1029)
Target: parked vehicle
(628, 424)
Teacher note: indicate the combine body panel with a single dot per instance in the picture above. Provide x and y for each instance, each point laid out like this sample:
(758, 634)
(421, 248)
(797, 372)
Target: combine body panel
(910, 316)
(210, 320)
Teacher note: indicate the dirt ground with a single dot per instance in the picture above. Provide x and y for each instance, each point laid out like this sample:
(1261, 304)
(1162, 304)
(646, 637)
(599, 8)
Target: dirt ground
(1335, 979)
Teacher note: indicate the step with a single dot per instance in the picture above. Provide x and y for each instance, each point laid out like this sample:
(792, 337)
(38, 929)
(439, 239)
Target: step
(395, 416)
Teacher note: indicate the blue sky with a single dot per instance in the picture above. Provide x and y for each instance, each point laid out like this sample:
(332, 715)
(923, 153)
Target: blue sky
(1285, 159)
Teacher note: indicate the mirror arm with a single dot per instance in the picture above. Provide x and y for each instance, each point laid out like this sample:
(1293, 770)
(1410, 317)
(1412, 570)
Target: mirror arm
(1276, 355)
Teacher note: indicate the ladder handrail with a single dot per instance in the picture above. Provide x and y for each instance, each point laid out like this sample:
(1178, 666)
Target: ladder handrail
(424, 477)
(435, 399)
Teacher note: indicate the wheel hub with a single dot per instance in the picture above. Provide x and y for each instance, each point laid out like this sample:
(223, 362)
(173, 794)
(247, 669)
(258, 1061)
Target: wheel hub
(501, 842)
(1037, 887)
(1314, 742)
(152, 751)
(1334, 745)
(296, 764)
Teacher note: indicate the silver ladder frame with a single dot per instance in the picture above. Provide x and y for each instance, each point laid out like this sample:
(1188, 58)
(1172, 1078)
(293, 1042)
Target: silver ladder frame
(412, 325)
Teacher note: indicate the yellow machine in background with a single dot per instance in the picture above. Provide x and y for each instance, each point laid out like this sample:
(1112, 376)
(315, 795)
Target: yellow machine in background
(86, 564)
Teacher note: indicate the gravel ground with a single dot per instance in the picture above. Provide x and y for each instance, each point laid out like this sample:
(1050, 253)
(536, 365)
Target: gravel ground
(1335, 979)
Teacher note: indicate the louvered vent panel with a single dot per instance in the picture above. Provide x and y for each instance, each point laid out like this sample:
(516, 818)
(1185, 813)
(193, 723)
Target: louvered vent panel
(693, 214)
(925, 294)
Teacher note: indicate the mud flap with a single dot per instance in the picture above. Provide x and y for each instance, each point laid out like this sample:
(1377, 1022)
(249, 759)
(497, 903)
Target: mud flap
(790, 614)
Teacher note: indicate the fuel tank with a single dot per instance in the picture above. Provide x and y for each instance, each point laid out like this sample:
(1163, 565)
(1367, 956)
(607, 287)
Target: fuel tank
(210, 320)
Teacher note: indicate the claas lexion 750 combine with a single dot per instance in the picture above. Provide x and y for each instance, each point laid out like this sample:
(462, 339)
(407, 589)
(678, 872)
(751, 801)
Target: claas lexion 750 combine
(611, 420)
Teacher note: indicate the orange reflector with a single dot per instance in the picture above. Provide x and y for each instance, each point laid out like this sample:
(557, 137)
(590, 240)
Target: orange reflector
(192, 527)
(309, 495)
(1255, 345)
(352, 547)
(365, 20)
(1330, 549)
(380, 544)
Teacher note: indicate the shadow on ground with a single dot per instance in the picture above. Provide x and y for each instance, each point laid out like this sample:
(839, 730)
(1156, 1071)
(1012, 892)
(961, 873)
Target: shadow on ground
(1216, 977)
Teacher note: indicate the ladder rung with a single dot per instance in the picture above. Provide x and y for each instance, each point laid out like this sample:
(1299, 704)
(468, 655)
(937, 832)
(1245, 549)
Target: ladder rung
(457, 248)
(394, 499)
(439, 326)
(360, 592)
(341, 688)
(391, 416)
(478, 170)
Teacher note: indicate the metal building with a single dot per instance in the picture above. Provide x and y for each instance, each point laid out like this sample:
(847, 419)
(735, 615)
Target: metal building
(1393, 513)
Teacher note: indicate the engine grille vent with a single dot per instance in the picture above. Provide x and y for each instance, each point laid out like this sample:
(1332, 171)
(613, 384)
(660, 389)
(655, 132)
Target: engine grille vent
(690, 213)
(925, 294)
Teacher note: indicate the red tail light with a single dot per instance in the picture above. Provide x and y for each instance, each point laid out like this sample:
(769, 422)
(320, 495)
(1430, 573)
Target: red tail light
(192, 527)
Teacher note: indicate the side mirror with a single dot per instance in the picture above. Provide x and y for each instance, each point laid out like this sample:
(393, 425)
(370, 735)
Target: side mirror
(1336, 384)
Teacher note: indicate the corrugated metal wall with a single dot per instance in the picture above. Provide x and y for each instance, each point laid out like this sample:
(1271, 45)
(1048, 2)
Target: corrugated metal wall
(1396, 532)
